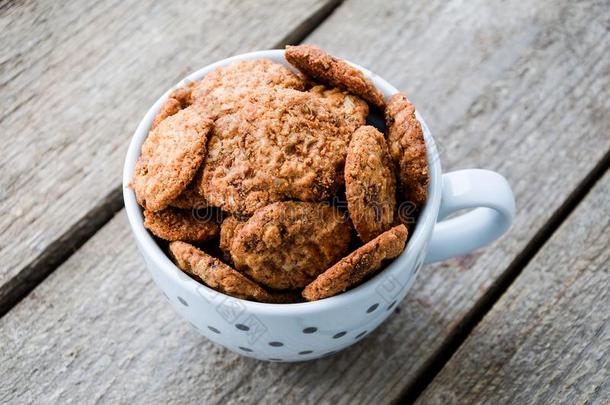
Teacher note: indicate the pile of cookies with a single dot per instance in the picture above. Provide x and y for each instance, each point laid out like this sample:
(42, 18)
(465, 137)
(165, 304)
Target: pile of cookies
(244, 172)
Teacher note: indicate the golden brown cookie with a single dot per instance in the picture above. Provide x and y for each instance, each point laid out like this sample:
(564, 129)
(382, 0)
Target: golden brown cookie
(282, 144)
(408, 149)
(190, 197)
(228, 228)
(174, 224)
(287, 244)
(353, 108)
(370, 183)
(223, 90)
(217, 275)
(364, 261)
(316, 63)
(177, 100)
(170, 157)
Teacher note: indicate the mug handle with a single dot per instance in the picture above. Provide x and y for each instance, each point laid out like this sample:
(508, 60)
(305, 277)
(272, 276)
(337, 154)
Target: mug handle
(494, 210)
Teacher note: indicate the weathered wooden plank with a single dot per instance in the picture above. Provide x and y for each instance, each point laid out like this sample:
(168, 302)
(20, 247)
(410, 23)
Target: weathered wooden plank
(75, 79)
(98, 330)
(548, 338)
(535, 113)
(518, 88)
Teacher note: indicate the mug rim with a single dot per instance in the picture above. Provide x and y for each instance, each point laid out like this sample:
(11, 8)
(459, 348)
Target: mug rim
(148, 247)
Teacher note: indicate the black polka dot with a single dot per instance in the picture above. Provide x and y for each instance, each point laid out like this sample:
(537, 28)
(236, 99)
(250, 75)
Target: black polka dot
(166, 297)
(372, 308)
(276, 344)
(310, 329)
(183, 302)
(213, 329)
(391, 306)
(306, 352)
(329, 353)
(275, 359)
(241, 326)
(340, 334)
(358, 336)
(245, 349)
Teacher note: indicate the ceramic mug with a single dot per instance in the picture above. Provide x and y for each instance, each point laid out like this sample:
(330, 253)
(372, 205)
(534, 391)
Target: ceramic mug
(306, 331)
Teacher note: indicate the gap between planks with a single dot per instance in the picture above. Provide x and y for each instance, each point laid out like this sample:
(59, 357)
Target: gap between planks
(453, 342)
(67, 244)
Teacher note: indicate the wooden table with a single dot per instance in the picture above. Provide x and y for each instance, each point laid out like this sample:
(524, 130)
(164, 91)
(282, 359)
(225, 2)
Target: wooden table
(522, 88)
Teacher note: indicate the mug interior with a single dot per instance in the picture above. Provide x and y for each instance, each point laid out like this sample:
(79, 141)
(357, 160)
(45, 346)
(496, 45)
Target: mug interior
(417, 243)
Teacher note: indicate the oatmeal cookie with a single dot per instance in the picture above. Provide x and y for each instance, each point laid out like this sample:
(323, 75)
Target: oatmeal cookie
(282, 144)
(316, 63)
(408, 149)
(170, 157)
(190, 197)
(217, 275)
(287, 244)
(353, 108)
(223, 90)
(178, 100)
(174, 224)
(370, 183)
(364, 261)
(229, 227)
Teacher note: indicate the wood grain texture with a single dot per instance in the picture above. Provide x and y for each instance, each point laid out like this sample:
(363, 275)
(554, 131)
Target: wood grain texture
(98, 329)
(518, 88)
(548, 339)
(75, 79)
(522, 89)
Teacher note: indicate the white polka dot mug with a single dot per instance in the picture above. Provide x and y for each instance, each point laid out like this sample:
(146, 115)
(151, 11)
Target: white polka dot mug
(305, 331)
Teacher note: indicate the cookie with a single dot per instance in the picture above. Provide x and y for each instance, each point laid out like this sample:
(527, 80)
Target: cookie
(223, 90)
(228, 228)
(370, 183)
(282, 144)
(353, 108)
(318, 64)
(217, 275)
(190, 197)
(408, 149)
(170, 157)
(361, 263)
(174, 224)
(176, 101)
(287, 244)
